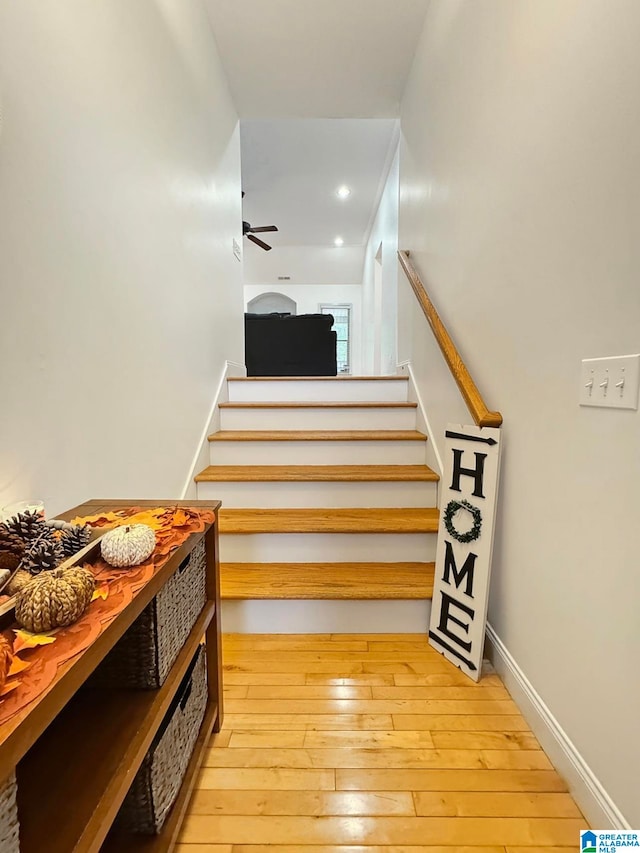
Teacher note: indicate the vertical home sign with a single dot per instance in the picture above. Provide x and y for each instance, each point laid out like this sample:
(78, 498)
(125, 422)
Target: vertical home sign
(465, 542)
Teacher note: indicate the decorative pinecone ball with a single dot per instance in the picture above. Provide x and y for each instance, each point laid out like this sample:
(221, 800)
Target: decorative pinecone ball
(6, 657)
(11, 549)
(27, 525)
(54, 599)
(19, 579)
(73, 539)
(43, 555)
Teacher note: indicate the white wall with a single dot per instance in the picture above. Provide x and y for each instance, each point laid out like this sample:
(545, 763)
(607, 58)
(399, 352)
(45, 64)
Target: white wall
(305, 264)
(119, 199)
(309, 297)
(519, 201)
(380, 311)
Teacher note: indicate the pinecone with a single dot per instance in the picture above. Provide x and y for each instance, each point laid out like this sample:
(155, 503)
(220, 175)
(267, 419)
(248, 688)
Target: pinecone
(11, 549)
(74, 539)
(27, 525)
(42, 556)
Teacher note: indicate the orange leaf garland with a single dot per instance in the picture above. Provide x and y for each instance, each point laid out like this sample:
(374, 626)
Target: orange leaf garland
(101, 591)
(26, 640)
(17, 666)
(6, 656)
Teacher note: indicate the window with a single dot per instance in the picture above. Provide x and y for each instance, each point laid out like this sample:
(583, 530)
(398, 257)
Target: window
(342, 328)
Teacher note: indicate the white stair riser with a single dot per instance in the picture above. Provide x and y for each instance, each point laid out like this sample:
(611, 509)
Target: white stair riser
(318, 390)
(325, 617)
(327, 547)
(317, 452)
(320, 494)
(318, 418)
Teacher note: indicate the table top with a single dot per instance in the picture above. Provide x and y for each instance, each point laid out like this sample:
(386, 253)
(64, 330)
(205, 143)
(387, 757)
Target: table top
(20, 732)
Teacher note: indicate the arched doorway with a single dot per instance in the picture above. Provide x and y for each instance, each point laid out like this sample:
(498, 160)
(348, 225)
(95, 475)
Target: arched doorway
(269, 303)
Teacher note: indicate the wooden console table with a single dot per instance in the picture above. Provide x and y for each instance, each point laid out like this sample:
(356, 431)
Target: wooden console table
(76, 751)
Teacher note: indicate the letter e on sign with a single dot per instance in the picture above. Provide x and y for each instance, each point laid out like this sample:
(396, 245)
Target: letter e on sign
(465, 544)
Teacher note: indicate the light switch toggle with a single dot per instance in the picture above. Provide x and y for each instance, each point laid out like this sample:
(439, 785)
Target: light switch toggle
(620, 372)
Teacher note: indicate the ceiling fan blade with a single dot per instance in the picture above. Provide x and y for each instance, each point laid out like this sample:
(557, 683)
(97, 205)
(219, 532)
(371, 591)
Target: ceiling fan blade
(262, 228)
(258, 242)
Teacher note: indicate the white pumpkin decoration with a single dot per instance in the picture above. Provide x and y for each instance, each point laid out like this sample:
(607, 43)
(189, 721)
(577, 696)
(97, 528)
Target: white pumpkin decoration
(128, 545)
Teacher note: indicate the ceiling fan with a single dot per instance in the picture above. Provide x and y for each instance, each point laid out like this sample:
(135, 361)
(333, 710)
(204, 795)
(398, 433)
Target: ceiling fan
(248, 231)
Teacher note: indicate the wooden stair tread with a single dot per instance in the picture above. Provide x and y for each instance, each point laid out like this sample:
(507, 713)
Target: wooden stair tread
(315, 404)
(319, 435)
(316, 473)
(326, 580)
(393, 377)
(330, 520)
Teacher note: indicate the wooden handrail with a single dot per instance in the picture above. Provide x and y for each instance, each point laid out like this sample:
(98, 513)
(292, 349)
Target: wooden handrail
(472, 397)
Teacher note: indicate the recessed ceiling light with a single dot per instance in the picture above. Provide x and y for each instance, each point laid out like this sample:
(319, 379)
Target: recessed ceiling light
(339, 241)
(343, 192)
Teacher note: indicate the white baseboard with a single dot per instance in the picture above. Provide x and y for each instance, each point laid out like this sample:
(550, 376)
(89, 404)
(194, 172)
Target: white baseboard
(212, 424)
(434, 459)
(595, 802)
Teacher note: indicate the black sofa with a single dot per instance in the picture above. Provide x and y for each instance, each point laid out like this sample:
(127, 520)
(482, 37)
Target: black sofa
(288, 345)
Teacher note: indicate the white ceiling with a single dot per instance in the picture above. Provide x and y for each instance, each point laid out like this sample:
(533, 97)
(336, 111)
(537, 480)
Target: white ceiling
(317, 58)
(292, 168)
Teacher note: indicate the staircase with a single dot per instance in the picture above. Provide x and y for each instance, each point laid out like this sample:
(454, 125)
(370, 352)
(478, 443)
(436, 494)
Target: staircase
(329, 510)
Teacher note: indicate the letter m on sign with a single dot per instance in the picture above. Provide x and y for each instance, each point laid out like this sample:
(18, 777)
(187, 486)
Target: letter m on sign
(465, 542)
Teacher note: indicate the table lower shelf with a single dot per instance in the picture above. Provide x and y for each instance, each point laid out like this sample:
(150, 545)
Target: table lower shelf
(119, 842)
(74, 779)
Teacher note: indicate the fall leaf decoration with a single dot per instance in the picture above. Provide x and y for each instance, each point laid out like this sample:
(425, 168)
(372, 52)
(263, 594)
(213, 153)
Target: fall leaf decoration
(101, 591)
(38, 653)
(6, 657)
(18, 665)
(27, 640)
(170, 524)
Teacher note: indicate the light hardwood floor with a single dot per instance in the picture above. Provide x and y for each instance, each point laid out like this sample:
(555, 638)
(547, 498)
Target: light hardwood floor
(369, 743)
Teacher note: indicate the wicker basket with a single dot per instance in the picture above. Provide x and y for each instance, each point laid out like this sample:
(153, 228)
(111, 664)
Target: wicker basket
(148, 650)
(158, 781)
(9, 838)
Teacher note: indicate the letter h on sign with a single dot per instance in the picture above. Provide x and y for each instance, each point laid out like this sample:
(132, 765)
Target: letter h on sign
(465, 541)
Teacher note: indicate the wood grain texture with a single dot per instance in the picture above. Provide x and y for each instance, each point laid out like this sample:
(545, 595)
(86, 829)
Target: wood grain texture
(316, 474)
(416, 758)
(494, 804)
(327, 580)
(318, 435)
(304, 803)
(472, 397)
(306, 830)
(359, 848)
(300, 773)
(329, 520)
(372, 706)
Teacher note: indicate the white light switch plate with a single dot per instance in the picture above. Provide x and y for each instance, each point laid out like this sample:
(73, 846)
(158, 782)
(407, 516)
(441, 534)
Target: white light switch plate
(610, 382)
